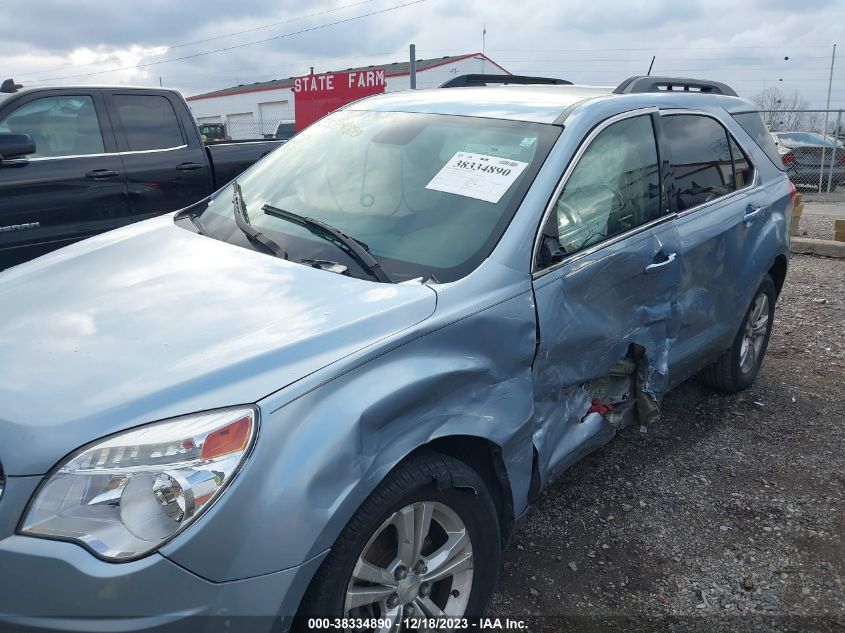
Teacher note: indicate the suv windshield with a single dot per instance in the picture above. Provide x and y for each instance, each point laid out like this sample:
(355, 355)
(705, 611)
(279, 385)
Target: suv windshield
(427, 195)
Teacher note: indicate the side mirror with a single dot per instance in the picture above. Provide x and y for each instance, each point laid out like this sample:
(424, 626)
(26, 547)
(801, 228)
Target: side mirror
(14, 145)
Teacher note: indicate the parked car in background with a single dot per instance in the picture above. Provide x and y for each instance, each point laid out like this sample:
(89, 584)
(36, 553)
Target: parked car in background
(334, 387)
(210, 132)
(285, 131)
(809, 157)
(786, 155)
(75, 162)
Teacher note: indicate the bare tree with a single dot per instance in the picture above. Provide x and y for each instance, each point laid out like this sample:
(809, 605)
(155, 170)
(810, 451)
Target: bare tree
(783, 112)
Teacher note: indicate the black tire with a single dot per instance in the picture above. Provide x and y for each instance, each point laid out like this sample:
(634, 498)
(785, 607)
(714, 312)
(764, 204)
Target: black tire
(726, 373)
(424, 477)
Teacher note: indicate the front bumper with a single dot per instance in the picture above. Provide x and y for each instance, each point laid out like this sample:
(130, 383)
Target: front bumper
(56, 586)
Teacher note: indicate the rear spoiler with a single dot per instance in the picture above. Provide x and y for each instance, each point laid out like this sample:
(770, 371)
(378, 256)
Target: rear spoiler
(633, 85)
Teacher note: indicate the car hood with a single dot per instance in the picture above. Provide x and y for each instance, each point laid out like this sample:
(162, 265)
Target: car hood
(153, 321)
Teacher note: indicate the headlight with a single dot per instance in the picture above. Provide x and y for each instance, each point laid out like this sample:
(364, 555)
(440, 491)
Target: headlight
(126, 496)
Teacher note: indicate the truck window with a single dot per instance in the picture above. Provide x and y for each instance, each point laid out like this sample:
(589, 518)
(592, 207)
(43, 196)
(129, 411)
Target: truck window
(60, 126)
(149, 122)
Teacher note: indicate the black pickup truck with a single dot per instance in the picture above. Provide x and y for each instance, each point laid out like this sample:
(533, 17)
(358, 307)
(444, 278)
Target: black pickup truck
(75, 162)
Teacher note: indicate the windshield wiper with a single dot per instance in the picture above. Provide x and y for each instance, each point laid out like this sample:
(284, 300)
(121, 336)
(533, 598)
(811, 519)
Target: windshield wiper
(350, 244)
(242, 220)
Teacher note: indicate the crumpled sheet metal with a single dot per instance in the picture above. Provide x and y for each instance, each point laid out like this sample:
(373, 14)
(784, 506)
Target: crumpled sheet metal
(334, 435)
(592, 312)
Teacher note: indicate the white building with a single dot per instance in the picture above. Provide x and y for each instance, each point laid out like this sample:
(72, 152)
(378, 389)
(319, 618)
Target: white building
(253, 110)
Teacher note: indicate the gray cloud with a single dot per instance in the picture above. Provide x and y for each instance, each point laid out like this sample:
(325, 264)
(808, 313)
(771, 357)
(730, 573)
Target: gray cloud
(590, 41)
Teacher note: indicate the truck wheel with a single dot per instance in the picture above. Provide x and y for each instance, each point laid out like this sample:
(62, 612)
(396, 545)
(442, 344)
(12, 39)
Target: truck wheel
(737, 368)
(425, 543)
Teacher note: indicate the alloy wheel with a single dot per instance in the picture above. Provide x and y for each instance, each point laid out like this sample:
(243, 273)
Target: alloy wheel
(756, 328)
(419, 563)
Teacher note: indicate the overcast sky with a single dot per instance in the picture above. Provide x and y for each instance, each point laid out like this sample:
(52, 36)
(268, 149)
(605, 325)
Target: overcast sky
(587, 41)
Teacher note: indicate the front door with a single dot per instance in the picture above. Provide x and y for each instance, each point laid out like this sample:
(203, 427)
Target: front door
(71, 188)
(605, 286)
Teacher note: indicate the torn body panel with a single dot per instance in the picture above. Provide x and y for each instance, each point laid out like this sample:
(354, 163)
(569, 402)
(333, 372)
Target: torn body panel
(601, 317)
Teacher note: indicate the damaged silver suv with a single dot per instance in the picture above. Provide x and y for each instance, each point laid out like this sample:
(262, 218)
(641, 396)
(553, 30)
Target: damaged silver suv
(333, 387)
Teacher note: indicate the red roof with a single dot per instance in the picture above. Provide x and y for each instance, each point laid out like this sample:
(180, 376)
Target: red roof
(395, 69)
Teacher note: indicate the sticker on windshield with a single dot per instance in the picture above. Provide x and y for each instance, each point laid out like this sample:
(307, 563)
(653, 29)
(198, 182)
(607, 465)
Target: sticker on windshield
(477, 176)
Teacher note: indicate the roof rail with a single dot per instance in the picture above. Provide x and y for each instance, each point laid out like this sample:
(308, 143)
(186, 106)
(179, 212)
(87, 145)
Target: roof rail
(9, 85)
(483, 80)
(673, 84)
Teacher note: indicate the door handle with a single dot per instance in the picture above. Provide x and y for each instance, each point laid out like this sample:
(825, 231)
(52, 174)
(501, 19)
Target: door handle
(102, 174)
(658, 265)
(752, 213)
(189, 166)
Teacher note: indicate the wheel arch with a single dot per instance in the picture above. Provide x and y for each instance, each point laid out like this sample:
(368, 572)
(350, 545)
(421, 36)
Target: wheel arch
(485, 458)
(778, 273)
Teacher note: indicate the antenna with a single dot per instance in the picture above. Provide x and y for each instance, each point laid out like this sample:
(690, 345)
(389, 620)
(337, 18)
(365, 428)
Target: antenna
(651, 65)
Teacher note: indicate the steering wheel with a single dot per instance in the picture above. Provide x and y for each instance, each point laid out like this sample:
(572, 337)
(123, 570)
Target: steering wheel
(574, 218)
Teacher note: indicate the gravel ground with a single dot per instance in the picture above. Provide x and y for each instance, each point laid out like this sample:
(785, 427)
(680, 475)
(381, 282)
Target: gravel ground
(727, 514)
(819, 227)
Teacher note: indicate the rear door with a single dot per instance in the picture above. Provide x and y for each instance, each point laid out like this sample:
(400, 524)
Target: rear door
(720, 214)
(166, 165)
(605, 284)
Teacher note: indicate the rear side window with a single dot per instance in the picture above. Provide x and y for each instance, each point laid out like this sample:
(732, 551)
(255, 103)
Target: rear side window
(149, 122)
(701, 159)
(743, 169)
(753, 125)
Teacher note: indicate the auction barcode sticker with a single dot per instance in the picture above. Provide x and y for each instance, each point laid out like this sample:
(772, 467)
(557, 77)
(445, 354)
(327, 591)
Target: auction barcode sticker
(477, 176)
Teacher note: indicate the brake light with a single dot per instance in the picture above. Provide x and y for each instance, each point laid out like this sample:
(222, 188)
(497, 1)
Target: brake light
(842, 159)
(789, 159)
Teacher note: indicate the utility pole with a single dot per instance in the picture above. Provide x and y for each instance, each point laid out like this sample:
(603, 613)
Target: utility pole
(483, 47)
(826, 113)
(412, 68)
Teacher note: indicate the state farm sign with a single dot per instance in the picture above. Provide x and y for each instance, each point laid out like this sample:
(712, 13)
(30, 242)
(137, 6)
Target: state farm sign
(317, 95)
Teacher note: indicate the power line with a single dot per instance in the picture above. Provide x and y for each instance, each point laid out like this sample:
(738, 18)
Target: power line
(649, 48)
(216, 37)
(229, 48)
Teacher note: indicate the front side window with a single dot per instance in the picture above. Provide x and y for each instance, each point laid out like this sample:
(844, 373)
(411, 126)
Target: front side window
(60, 126)
(428, 195)
(149, 122)
(701, 159)
(614, 187)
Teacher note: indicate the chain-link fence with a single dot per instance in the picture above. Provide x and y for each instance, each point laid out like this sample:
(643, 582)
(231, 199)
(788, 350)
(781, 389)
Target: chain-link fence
(811, 144)
(236, 130)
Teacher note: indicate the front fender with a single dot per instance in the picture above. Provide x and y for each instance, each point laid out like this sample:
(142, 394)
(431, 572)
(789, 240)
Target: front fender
(320, 455)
